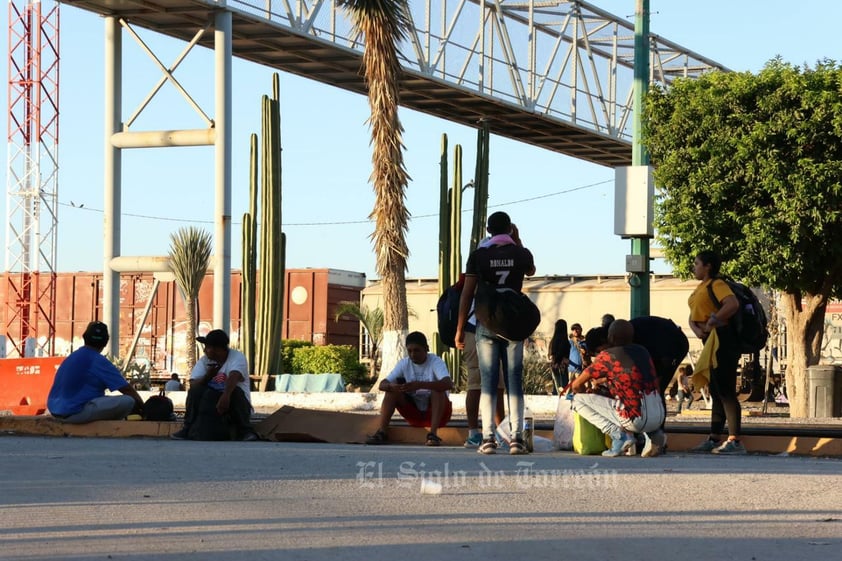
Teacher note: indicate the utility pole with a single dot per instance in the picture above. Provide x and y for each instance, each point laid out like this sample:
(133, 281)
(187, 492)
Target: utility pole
(639, 281)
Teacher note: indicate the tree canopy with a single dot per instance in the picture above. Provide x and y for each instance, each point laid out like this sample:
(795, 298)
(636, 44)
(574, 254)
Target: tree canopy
(751, 165)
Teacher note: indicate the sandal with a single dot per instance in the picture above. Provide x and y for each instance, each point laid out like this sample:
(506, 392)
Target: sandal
(377, 438)
(433, 440)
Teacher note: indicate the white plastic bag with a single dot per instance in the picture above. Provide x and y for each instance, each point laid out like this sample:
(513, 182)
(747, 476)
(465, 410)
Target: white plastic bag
(563, 425)
(504, 432)
(541, 444)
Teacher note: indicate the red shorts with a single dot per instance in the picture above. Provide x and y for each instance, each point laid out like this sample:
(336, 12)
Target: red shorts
(417, 418)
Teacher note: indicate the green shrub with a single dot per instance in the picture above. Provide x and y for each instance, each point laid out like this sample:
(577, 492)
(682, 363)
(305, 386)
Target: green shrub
(340, 359)
(537, 376)
(288, 347)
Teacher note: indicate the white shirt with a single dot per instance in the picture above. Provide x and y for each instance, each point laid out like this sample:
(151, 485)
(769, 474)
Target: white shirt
(172, 386)
(431, 370)
(236, 361)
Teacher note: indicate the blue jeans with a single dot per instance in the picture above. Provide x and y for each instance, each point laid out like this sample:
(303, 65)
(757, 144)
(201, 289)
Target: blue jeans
(492, 353)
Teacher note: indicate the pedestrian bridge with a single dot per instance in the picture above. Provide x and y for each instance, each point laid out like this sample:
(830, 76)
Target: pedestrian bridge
(555, 74)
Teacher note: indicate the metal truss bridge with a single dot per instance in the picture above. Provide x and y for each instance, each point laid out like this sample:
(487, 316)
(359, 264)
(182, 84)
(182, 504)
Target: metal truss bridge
(555, 74)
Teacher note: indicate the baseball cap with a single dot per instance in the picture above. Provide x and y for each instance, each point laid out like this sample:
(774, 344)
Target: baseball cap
(215, 338)
(96, 333)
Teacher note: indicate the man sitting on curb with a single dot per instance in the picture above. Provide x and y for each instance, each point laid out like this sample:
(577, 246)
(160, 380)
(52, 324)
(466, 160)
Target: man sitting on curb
(78, 392)
(218, 405)
(628, 401)
(418, 388)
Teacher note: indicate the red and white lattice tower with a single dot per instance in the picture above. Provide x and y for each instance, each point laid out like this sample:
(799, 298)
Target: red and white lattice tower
(32, 179)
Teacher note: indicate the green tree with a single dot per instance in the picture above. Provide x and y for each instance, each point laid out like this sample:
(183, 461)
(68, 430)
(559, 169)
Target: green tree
(384, 23)
(750, 165)
(190, 251)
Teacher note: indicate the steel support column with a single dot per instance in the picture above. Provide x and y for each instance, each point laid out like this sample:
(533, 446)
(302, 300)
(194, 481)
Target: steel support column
(112, 181)
(222, 158)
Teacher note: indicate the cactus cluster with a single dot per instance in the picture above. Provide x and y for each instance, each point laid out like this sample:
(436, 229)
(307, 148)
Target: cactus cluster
(262, 310)
(450, 223)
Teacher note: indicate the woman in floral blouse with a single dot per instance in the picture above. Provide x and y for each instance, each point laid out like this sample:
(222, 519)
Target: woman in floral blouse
(628, 400)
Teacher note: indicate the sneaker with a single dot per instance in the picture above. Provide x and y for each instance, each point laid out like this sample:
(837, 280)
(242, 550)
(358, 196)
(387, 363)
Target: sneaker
(731, 448)
(249, 436)
(473, 440)
(182, 434)
(656, 444)
(488, 446)
(517, 447)
(706, 445)
(378, 437)
(619, 446)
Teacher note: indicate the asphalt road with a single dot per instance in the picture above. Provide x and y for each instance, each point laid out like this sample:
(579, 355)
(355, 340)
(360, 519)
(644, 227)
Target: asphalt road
(139, 499)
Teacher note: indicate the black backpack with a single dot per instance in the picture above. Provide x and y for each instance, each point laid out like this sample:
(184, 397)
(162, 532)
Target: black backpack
(750, 321)
(158, 408)
(447, 310)
(507, 313)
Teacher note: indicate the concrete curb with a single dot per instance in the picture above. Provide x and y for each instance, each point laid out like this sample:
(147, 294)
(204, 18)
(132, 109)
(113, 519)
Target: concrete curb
(541, 406)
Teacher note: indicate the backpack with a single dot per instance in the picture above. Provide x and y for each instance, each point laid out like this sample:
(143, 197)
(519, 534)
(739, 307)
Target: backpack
(507, 313)
(158, 408)
(750, 322)
(447, 310)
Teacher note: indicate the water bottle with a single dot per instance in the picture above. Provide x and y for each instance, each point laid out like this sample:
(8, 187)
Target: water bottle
(528, 429)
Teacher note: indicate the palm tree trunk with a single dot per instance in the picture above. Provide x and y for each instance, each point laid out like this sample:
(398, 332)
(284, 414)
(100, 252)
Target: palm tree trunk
(190, 312)
(384, 23)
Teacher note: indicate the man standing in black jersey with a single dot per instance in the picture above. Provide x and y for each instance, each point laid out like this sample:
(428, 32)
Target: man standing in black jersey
(502, 262)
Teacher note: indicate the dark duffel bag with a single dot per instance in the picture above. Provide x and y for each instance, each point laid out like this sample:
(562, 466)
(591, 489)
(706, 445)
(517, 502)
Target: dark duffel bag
(158, 408)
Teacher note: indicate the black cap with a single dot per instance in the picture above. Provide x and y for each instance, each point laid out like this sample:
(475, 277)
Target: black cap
(215, 338)
(96, 334)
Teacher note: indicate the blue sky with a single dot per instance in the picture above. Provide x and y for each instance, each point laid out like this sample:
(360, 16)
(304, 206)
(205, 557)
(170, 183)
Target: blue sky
(326, 152)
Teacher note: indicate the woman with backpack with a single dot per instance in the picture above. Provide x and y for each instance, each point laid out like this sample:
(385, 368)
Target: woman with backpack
(713, 326)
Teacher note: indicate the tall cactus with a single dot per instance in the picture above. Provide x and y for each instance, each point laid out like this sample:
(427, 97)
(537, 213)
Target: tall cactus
(450, 238)
(444, 234)
(444, 220)
(450, 223)
(480, 186)
(249, 274)
(265, 260)
(456, 216)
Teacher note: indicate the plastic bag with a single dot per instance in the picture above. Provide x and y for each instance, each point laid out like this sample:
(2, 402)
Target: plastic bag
(563, 424)
(587, 439)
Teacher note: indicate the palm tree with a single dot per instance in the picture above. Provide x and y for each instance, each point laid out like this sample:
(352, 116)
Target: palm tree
(372, 322)
(384, 23)
(190, 251)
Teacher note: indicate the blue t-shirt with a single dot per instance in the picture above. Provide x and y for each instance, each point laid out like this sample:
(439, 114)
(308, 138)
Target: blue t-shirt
(81, 377)
(575, 358)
